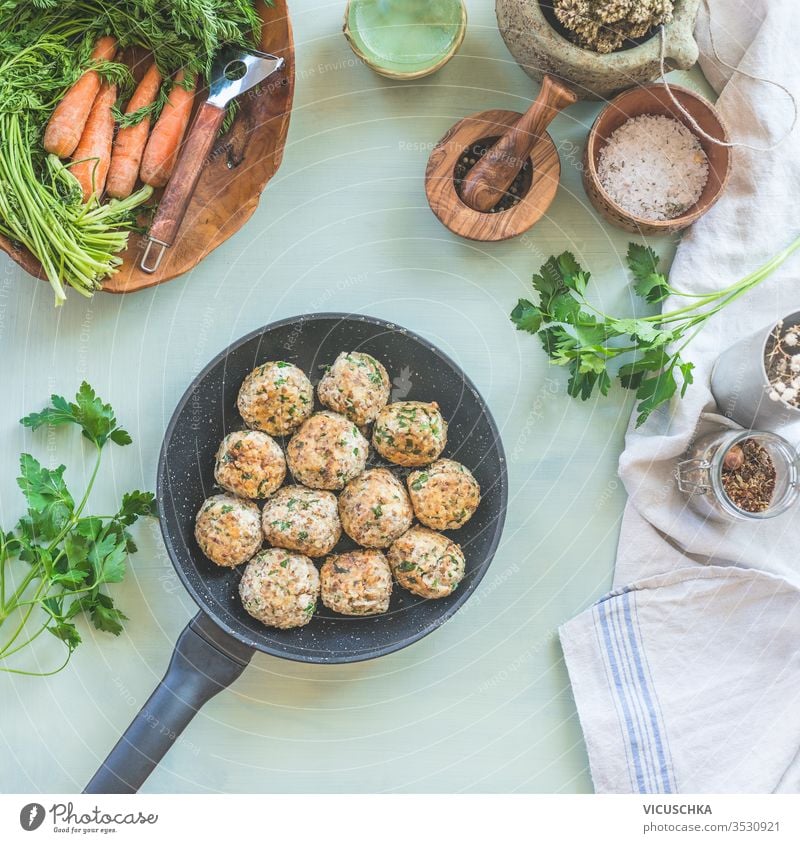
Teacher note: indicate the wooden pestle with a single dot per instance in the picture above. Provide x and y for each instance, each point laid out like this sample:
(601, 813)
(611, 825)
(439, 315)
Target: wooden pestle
(488, 181)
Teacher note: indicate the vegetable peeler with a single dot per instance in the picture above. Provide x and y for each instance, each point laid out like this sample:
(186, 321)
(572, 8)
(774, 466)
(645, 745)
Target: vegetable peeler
(234, 72)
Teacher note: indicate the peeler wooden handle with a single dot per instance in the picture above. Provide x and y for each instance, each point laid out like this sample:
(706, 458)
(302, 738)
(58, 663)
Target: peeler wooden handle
(180, 188)
(487, 182)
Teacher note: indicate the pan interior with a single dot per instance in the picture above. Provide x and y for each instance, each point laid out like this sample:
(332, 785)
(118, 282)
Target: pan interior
(207, 412)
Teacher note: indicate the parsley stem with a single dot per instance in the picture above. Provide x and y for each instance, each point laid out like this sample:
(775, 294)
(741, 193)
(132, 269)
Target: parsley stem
(21, 626)
(3, 562)
(733, 291)
(89, 486)
(35, 571)
(44, 673)
(5, 653)
(69, 593)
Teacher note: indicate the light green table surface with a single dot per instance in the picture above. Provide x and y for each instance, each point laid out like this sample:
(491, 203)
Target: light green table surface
(483, 704)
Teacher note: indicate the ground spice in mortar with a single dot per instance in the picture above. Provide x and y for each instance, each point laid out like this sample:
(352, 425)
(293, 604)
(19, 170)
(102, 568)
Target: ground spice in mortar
(748, 476)
(519, 187)
(608, 25)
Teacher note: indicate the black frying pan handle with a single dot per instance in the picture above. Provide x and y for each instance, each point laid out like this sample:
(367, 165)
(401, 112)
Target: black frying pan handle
(206, 660)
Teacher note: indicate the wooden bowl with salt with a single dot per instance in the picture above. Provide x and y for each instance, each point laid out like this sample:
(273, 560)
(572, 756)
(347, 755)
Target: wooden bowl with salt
(655, 100)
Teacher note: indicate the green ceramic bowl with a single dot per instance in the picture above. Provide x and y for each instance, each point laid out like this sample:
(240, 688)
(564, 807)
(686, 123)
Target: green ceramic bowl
(405, 39)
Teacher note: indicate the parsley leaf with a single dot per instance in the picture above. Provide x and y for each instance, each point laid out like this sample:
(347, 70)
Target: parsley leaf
(654, 391)
(72, 556)
(66, 632)
(688, 377)
(135, 505)
(96, 419)
(586, 344)
(589, 346)
(526, 316)
(50, 504)
(653, 360)
(650, 284)
(105, 616)
(642, 261)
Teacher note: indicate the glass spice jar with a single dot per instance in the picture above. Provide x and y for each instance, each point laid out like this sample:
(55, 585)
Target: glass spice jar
(701, 474)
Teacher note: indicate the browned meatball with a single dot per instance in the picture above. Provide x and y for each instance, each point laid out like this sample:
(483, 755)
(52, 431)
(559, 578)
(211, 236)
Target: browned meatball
(228, 530)
(327, 452)
(276, 397)
(410, 433)
(427, 563)
(375, 509)
(445, 495)
(280, 588)
(357, 583)
(356, 385)
(250, 464)
(305, 520)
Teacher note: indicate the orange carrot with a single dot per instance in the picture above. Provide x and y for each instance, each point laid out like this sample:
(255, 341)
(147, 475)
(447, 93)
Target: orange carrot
(130, 141)
(92, 156)
(161, 151)
(69, 118)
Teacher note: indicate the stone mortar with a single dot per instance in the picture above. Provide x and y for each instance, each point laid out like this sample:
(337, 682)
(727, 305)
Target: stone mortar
(539, 48)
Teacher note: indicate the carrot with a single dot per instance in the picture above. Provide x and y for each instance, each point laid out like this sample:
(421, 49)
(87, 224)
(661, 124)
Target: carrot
(92, 156)
(69, 118)
(130, 141)
(161, 151)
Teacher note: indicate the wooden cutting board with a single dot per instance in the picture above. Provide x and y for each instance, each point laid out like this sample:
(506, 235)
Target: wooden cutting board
(236, 173)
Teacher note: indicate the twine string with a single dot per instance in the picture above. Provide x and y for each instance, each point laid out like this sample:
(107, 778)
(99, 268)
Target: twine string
(692, 122)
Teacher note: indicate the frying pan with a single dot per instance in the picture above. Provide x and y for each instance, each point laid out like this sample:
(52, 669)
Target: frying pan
(220, 640)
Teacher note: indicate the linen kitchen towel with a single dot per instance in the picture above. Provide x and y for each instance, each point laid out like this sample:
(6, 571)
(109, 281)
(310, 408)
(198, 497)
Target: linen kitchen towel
(689, 682)
(757, 216)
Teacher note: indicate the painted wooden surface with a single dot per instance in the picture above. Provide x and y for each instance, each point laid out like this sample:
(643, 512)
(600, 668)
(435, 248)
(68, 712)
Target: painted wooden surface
(484, 704)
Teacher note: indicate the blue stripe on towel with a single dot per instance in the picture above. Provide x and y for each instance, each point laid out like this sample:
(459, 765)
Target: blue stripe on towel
(633, 739)
(644, 692)
(636, 696)
(656, 701)
(607, 673)
(624, 654)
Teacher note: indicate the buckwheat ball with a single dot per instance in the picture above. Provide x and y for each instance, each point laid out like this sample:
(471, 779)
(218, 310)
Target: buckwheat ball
(410, 433)
(327, 452)
(280, 588)
(303, 520)
(276, 397)
(228, 530)
(356, 385)
(375, 509)
(250, 464)
(444, 495)
(357, 583)
(426, 563)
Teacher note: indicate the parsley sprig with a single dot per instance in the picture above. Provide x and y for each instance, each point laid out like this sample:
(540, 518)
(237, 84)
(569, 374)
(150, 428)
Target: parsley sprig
(588, 342)
(70, 556)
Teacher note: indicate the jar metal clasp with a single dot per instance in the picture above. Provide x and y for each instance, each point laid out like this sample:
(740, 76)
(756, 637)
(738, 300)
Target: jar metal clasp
(684, 472)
